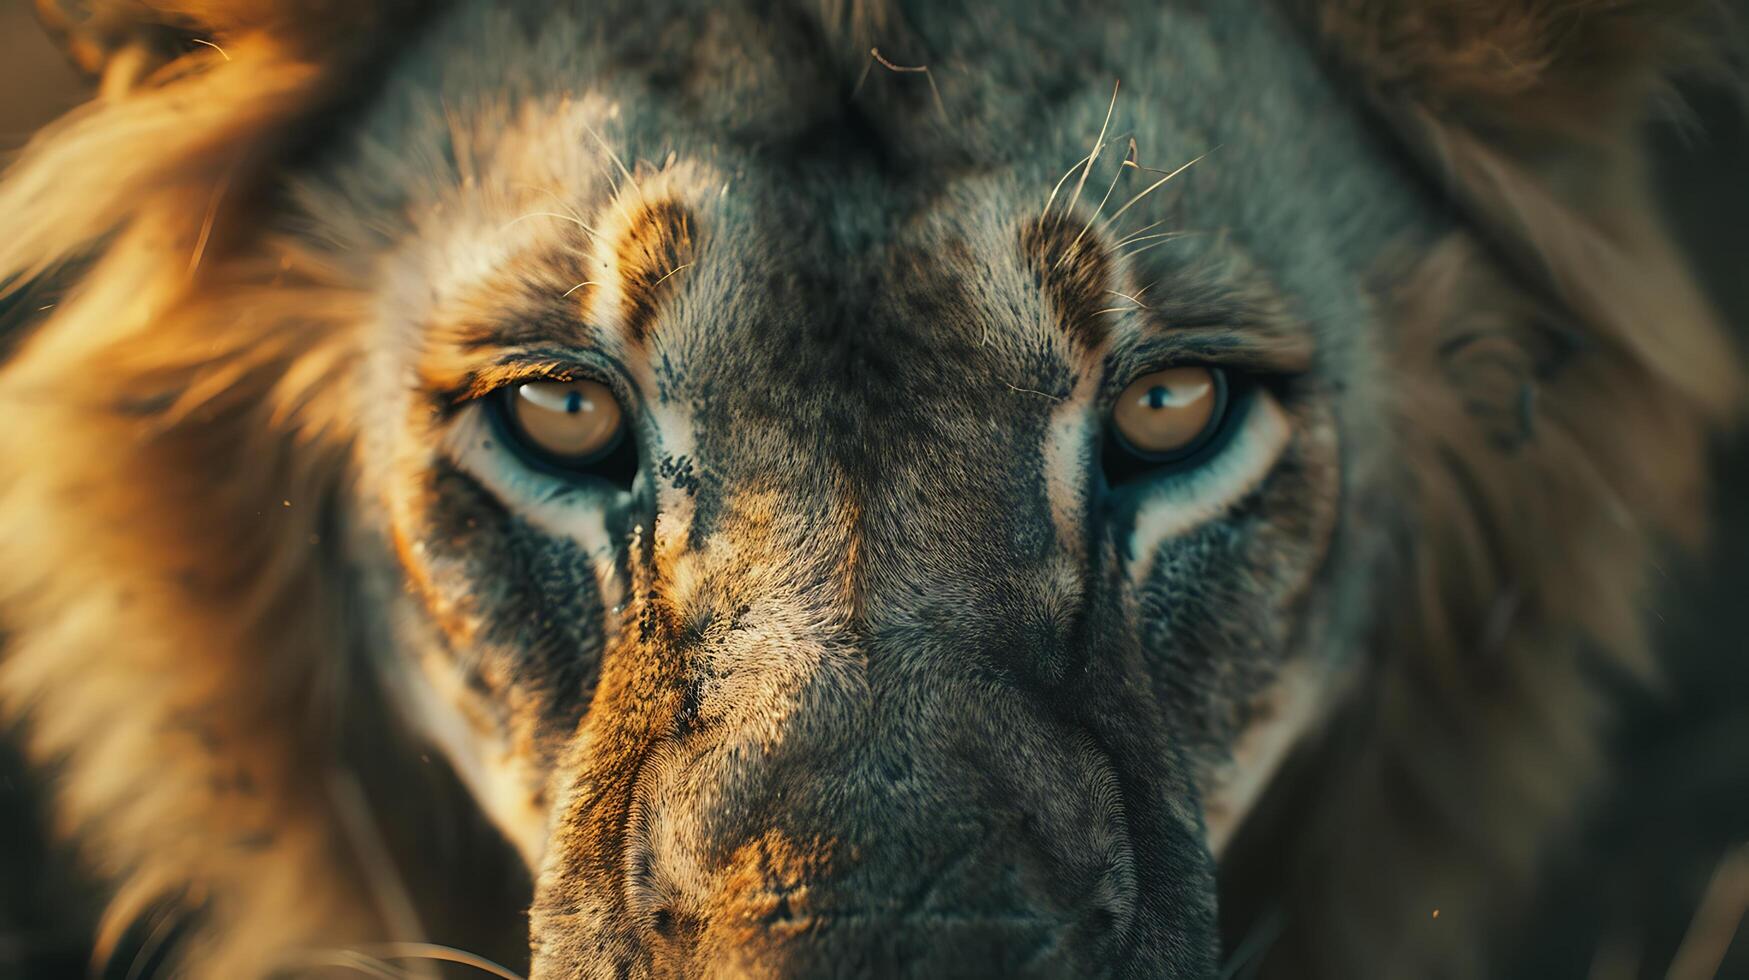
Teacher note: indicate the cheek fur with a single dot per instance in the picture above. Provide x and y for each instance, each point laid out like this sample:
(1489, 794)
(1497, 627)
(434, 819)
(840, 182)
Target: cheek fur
(582, 516)
(1285, 710)
(1180, 504)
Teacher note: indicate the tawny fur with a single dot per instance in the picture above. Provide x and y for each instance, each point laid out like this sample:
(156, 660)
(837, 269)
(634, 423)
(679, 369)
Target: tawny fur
(177, 435)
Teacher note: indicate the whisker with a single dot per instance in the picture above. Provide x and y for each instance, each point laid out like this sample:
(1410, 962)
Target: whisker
(1098, 145)
(1262, 936)
(1065, 179)
(1060, 182)
(929, 76)
(671, 272)
(580, 285)
(344, 959)
(1115, 177)
(1136, 299)
(611, 155)
(148, 950)
(1151, 188)
(210, 44)
(1138, 239)
(556, 197)
(551, 214)
(206, 224)
(1033, 391)
(1716, 919)
(442, 954)
(1138, 231)
(1167, 240)
(359, 827)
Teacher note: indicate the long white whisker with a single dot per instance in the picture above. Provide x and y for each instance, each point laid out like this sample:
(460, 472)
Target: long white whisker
(614, 157)
(1060, 182)
(551, 214)
(1136, 299)
(1138, 231)
(1132, 253)
(1092, 218)
(1137, 239)
(1098, 144)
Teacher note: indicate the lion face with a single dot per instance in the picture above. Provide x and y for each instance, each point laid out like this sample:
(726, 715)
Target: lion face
(844, 540)
(853, 489)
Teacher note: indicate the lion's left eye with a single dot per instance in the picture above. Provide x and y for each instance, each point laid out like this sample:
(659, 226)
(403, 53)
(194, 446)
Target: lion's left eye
(1168, 415)
(1172, 419)
(573, 428)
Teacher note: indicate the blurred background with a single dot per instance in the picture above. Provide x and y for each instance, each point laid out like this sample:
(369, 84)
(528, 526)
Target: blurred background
(1664, 858)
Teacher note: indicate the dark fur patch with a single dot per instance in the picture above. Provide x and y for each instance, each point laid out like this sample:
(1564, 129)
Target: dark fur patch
(657, 244)
(1070, 265)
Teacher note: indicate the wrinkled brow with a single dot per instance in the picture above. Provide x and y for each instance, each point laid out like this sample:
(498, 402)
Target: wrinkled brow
(1206, 300)
(1220, 313)
(575, 291)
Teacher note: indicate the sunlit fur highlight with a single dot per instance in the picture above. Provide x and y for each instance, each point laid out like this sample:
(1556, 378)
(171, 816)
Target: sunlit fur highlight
(177, 439)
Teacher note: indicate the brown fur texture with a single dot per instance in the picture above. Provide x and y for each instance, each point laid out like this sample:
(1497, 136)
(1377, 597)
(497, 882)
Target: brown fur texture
(1592, 372)
(178, 437)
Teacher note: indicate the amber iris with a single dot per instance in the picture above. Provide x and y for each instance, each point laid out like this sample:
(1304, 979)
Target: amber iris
(567, 420)
(1168, 412)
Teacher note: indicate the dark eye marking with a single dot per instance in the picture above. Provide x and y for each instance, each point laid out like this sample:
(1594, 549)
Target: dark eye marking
(1071, 266)
(657, 244)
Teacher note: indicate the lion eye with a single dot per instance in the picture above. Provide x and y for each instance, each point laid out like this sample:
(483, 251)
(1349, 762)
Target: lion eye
(567, 421)
(1168, 415)
(566, 428)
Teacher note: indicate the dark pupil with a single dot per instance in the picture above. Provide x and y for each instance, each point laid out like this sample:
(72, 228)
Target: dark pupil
(1157, 396)
(573, 403)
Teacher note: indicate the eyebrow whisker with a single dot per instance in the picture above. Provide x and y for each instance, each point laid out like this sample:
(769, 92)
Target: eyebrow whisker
(611, 155)
(553, 214)
(670, 272)
(1098, 145)
(1136, 299)
(1138, 239)
(929, 76)
(1074, 243)
(1132, 253)
(1060, 182)
(1151, 188)
(1139, 231)
(1033, 391)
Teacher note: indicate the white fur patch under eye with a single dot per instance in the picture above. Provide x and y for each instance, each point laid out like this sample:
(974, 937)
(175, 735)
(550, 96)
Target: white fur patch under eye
(1181, 503)
(555, 507)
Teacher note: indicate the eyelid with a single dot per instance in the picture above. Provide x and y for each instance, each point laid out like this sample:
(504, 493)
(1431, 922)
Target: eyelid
(1273, 352)
(531, 366)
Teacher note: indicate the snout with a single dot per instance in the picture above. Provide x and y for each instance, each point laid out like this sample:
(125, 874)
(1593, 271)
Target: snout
(963, 839)
(854, 945)
(956, 905)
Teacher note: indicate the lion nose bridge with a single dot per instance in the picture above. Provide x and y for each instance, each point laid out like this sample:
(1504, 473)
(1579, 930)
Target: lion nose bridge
(880, 803)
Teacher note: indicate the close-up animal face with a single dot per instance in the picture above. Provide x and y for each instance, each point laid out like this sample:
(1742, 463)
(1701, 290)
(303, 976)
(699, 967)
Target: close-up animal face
(850, 492)
(846, 542)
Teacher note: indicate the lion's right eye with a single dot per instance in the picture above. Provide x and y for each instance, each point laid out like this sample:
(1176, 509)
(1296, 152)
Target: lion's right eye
(572, 428)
